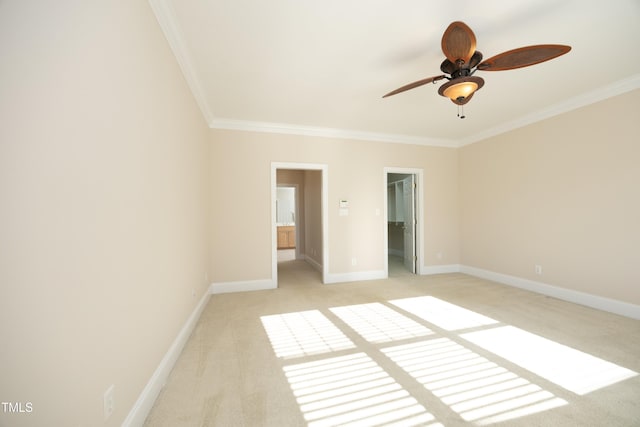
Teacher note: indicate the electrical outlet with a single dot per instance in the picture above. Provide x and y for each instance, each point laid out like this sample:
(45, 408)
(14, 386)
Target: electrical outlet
(354, 261)
(538, 270)
(109, 401)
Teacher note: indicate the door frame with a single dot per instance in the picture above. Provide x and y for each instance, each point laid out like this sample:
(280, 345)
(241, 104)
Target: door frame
(418, 200)
(324, 169)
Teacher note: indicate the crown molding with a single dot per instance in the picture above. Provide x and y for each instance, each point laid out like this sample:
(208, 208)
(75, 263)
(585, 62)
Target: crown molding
(599, 94)
(292, 129)
(166, 17)
(163, 10)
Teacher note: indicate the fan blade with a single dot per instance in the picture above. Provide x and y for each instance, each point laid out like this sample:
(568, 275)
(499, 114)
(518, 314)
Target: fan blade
(458, 42)
(415, 84)
(475, 59)
(523, 57)
(448, 67)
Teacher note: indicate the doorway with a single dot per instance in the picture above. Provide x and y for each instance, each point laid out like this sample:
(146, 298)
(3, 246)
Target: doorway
(287, 221)
(403, 248)
(299, 216)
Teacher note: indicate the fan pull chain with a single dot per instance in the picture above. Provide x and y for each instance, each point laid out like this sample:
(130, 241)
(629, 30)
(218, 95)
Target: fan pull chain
(461, 111)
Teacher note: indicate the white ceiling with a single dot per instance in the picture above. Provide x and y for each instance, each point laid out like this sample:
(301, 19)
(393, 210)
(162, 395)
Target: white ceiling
(321, 67)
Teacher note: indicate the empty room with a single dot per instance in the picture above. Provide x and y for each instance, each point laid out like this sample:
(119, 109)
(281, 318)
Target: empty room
(459, 244)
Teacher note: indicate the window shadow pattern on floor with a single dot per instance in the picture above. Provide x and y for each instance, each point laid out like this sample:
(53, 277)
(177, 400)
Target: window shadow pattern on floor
(437, 344)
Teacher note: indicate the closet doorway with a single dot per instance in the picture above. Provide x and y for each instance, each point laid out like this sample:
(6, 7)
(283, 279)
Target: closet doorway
(404, 210)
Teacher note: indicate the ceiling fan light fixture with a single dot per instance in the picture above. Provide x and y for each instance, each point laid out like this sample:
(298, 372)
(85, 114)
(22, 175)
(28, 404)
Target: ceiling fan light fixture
(460, 88)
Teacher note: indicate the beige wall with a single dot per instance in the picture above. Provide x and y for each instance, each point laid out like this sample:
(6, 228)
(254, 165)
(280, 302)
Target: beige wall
(103, 224)
(563, 193)
(355, 171)
(313, 216)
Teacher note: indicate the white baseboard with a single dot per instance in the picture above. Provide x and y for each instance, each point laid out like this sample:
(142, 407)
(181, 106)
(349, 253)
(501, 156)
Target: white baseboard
(577, 297)
(379, 274)
(313, 263)
(242, 286)
(355, 276)
(439, 269)
(147, 398)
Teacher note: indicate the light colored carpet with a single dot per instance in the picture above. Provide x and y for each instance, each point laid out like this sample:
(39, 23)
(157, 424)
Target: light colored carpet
(448, 350)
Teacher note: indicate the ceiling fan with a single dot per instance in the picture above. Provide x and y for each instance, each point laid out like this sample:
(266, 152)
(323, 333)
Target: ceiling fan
(463, 60)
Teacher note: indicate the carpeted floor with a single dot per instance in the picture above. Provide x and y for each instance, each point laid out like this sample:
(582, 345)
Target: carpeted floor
(448, 350)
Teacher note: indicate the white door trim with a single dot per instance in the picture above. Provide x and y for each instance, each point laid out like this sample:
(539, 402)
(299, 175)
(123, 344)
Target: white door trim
(419, 173)
(325, 214)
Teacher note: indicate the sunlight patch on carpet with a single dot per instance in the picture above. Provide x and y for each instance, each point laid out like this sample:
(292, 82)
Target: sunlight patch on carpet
(442, 313)
(303, 333)
(476, 388)
(353, 390)
(377, 323)
(567, 367)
